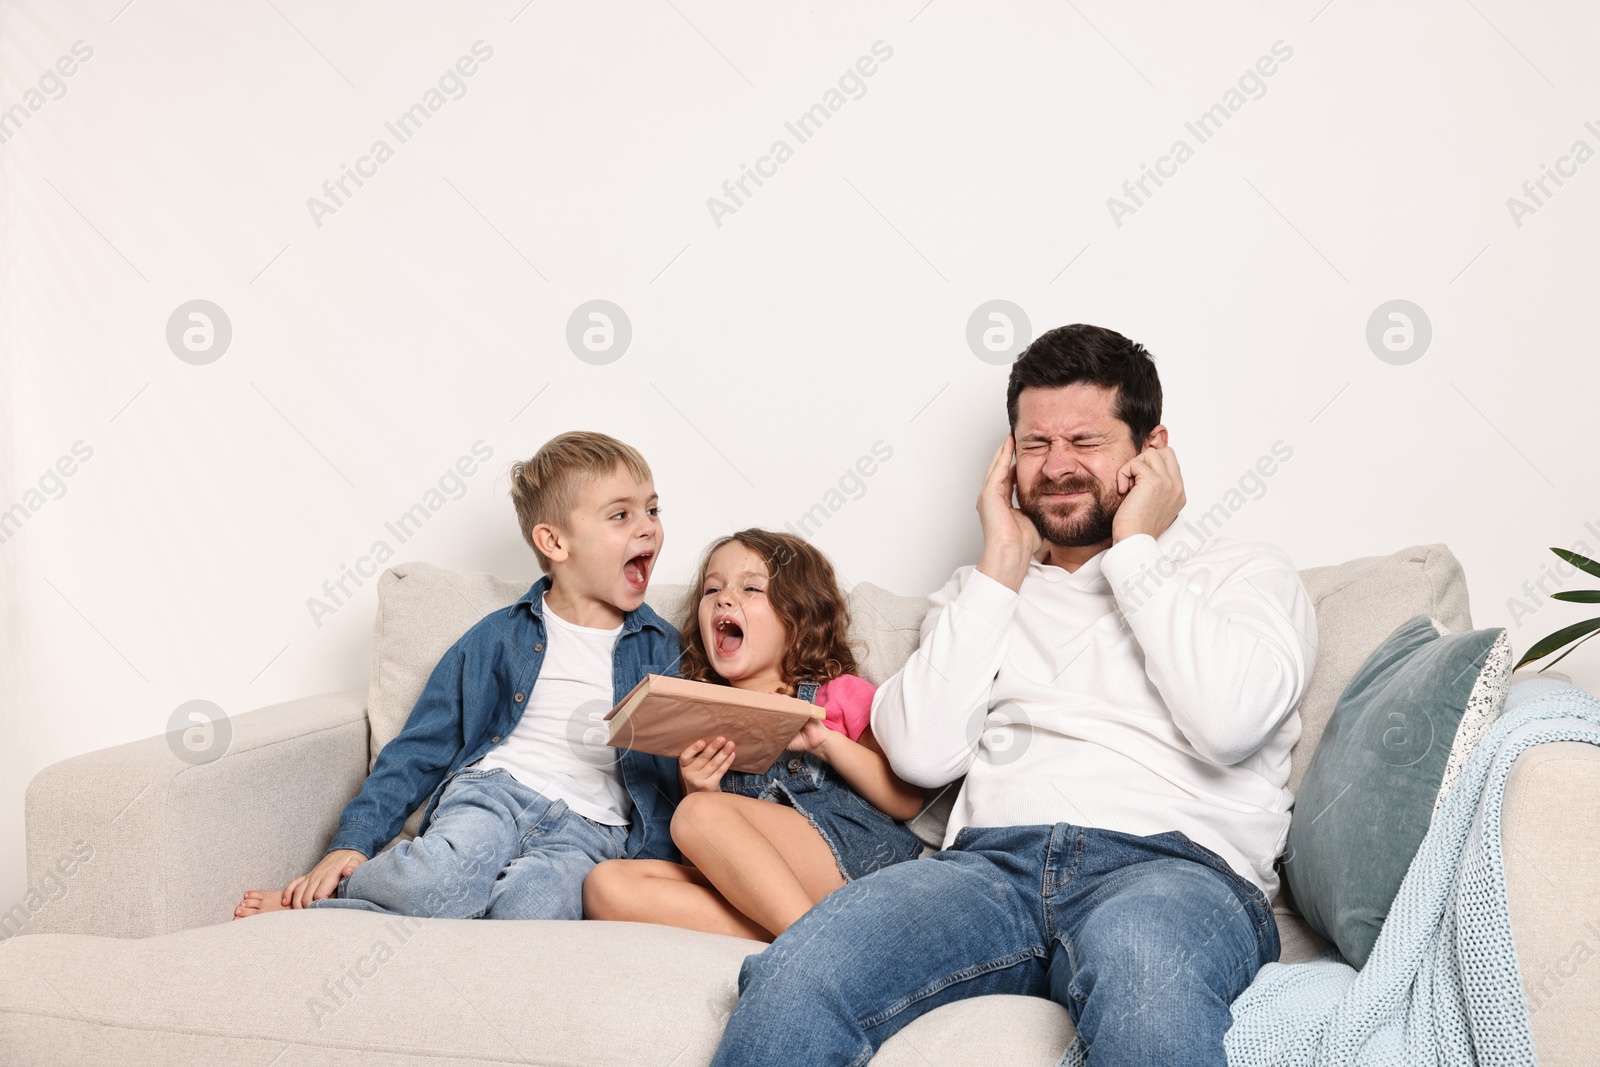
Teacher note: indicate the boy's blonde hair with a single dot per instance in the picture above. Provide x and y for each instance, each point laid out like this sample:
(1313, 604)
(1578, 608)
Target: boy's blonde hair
(545, 488)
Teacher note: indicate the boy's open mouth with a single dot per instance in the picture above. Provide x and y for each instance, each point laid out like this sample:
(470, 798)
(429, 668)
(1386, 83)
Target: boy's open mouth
(730, 635)
(637, 570)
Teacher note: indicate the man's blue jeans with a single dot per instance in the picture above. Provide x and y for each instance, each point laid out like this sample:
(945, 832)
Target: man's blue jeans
(495, 849)
(1146, 941)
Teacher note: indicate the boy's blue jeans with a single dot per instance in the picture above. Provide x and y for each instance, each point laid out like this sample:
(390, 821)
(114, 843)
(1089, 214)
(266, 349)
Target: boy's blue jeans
(495, 849)
(1145, 941)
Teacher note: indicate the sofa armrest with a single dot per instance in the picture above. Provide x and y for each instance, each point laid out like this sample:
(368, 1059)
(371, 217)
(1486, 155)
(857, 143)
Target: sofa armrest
(1552, 860)
(132, 841)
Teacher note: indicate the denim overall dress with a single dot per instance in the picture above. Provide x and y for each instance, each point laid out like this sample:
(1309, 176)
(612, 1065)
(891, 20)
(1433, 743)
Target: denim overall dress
(861, 837)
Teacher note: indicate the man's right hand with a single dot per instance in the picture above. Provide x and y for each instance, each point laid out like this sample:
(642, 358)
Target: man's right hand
(323, 879)
(1010, 540)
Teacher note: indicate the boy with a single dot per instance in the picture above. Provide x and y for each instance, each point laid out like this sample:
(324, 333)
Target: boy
(520, 803)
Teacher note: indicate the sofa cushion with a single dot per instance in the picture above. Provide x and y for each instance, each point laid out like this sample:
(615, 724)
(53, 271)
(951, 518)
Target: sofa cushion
(885, 628)
(341, 988)
(1358, 604)
(422, 611)
(334, 987)
(1396, 741)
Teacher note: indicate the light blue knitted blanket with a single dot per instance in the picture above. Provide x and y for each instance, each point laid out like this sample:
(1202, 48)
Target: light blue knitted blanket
(1442, 985)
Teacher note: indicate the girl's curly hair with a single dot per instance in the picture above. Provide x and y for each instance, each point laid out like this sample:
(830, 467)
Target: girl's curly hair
(806, 598)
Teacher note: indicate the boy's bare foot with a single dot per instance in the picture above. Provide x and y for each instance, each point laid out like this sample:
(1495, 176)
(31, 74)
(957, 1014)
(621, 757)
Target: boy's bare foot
(257, 901)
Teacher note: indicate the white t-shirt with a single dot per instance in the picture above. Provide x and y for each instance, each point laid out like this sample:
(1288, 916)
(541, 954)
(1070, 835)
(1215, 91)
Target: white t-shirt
(559, 746)
(1152, 689)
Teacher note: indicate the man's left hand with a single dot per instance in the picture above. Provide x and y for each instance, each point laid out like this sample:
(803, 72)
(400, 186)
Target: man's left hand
(1153, 485)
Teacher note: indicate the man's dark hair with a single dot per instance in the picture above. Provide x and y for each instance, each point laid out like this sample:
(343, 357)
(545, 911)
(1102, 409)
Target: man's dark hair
(1067, 355)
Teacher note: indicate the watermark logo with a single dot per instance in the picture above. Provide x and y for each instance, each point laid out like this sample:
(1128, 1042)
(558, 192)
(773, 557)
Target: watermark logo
(450, 85)
(451, 485)
(852, 485)
(199, 332)
(199, 732)
(1562, 970)
(851, 85)
(52, 486)
(794, 955)
(1404, 736)
(50, 86)
(998, 331)
(1399, 332)
(599, 332)
(343, 987)
(999, 739)
(1536, 590)
(51, 888)
(1251, 85)
(1139, 588)
(588, 735)
(1536, 192)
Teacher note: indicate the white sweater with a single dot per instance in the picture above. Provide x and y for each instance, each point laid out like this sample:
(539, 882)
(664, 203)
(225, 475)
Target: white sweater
(1153, 689)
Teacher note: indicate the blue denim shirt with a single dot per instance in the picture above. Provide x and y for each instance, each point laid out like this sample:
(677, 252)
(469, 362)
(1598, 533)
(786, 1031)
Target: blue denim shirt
(474, 700)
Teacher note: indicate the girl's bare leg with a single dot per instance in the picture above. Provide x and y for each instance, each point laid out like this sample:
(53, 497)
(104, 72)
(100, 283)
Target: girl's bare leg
(766, 859)
(656, 891)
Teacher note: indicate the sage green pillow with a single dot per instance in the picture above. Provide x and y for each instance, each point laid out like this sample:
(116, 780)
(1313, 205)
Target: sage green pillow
(1397, 739)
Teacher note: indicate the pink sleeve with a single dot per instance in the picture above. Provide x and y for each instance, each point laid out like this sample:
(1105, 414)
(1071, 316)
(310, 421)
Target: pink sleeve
(847, 702)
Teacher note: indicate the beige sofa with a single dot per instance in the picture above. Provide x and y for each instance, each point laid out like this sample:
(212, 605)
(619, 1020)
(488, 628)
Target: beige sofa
(129, 956)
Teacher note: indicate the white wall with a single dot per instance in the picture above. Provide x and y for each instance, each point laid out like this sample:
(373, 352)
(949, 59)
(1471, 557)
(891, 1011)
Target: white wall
(825, 314)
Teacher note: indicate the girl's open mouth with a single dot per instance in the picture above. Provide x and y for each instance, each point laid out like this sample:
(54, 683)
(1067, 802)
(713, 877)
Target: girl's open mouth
(637, 571)
(730, 635)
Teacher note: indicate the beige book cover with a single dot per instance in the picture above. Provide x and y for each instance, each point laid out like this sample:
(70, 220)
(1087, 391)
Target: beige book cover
(664, 716)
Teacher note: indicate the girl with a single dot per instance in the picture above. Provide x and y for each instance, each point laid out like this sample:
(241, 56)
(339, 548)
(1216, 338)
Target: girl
(766, 847)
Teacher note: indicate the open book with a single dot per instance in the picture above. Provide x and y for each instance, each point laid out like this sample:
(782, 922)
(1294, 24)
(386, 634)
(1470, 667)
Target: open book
(664, 716)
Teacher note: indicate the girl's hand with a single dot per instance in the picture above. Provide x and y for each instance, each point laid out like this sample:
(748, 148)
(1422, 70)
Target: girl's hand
(813, 737)
(702, 765)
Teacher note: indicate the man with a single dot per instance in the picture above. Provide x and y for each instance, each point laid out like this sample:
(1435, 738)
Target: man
(1122, 704)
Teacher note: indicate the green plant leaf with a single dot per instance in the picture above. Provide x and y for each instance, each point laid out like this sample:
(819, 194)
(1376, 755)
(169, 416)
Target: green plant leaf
(1567, 653)
(1547, 645)
(1583, 563)
(1578, 596)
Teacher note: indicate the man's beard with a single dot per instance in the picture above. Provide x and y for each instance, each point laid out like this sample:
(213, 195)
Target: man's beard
(1080, 524)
